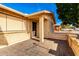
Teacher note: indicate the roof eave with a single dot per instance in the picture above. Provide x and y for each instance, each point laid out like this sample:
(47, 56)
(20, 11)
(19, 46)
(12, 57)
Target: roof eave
(12, 10)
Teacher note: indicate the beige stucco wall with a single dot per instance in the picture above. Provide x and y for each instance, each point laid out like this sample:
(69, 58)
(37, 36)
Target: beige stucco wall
(13, 30)
(20, 29)
(37, 29)
(46, 28)
(17, 37)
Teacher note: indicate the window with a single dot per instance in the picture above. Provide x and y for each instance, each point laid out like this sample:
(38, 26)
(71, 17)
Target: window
(9, 23)
(2, 22)
(14, 23)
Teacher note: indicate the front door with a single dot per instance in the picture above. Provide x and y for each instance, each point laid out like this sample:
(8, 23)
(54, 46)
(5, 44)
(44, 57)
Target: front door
(34, 29)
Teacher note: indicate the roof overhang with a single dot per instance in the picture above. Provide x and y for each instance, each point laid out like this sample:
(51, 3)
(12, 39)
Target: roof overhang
(10, 9)
(41, 13)
(18, 14)
(11, 12)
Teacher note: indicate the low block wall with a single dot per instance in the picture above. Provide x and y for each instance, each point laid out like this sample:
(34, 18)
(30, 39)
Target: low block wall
(13, 37)
(74, 44)
(60, 36)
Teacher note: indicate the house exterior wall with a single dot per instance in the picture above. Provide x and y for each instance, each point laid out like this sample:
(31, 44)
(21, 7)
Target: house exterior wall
(13, 30)
(48, 26)
(37, 29)
(15, 27)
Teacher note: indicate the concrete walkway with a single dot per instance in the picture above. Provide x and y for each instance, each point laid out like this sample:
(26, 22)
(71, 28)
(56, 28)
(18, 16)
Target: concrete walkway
(35, 48)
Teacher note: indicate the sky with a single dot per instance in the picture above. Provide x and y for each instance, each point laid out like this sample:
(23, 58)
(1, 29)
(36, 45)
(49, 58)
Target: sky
(29, 8)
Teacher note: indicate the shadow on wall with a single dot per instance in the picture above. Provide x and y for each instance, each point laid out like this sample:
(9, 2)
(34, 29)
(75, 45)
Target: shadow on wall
(63, 48)
(3, 40)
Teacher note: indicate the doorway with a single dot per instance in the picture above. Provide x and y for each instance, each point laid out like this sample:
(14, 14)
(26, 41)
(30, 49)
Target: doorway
(34, 29)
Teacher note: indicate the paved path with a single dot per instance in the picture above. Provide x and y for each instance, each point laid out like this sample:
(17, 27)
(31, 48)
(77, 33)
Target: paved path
(34, 48)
